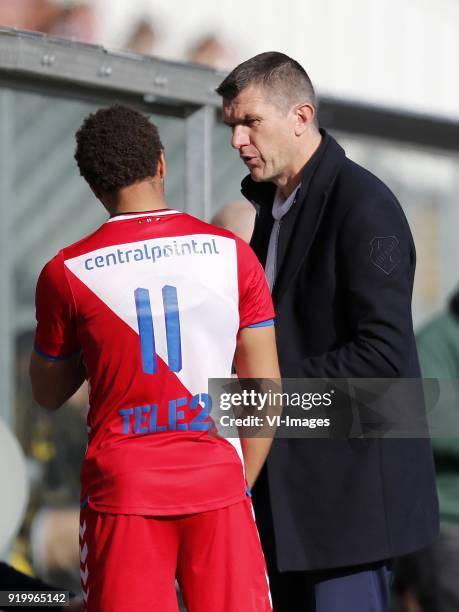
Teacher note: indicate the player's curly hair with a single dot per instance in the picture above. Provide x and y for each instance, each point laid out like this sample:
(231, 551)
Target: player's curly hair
(116, 147)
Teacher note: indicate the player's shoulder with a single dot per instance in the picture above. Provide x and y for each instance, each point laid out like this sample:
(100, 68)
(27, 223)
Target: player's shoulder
(244, 251)
(55, 265)
(52, 274)
(89, 242)
(202, 227)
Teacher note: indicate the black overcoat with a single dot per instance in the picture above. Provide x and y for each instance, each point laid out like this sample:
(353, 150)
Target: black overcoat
(346, 262)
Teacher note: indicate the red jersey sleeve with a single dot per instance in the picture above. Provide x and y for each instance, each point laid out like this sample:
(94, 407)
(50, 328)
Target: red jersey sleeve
(55, 336)
(255, 303)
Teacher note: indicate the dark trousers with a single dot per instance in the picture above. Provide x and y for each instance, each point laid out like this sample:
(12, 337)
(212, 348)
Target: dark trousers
(362, 588)
(357, 589)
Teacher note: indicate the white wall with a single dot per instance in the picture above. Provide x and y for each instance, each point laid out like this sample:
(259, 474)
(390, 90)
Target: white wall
(390, 52)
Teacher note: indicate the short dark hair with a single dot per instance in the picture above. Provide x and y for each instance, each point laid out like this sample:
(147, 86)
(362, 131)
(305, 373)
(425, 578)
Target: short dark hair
(282, 75)
(116, 147)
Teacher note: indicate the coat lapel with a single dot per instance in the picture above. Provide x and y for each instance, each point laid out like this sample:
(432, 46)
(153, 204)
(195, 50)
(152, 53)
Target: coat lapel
(312, 206)
(262, 196)
(311, 200)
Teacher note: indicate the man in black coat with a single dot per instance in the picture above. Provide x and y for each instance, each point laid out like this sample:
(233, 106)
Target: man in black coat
(340, 258)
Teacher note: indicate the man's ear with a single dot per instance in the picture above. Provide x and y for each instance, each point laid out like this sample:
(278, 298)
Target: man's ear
(162, 168)
(304, 117)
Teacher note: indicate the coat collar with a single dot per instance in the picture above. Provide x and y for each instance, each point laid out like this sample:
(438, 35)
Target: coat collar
(311, 200)
(262, 194)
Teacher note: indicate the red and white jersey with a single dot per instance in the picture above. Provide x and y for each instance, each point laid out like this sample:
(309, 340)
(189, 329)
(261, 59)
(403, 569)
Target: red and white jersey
(154, 301)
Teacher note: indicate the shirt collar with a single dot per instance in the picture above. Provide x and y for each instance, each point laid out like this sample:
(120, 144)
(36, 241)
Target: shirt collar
(149, 213)
(281, 206)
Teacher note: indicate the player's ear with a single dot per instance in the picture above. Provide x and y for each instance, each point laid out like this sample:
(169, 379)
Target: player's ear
(162, 167)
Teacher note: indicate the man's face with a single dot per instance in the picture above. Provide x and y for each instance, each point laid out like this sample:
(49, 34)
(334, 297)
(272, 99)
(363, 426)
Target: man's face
(262, 133)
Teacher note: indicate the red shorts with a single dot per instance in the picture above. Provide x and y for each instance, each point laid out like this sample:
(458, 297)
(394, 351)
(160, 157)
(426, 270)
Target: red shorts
(131, 562)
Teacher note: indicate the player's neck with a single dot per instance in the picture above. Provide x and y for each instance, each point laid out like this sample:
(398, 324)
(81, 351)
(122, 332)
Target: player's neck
(138, 206)
(140, 197)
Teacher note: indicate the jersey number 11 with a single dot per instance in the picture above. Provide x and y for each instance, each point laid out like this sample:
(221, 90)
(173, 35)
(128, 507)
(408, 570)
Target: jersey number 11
(147, 332)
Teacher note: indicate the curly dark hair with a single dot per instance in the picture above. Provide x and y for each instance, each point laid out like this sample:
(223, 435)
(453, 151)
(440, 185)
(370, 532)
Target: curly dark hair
(116, 147)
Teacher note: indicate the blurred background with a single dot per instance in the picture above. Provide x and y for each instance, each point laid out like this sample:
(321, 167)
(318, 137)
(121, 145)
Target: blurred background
(386, 75)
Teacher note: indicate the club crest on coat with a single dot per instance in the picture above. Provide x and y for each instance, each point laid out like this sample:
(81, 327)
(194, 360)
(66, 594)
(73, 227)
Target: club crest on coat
(385, 253)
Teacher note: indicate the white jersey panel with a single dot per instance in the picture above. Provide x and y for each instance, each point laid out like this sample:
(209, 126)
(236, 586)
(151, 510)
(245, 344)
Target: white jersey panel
(194, 278)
